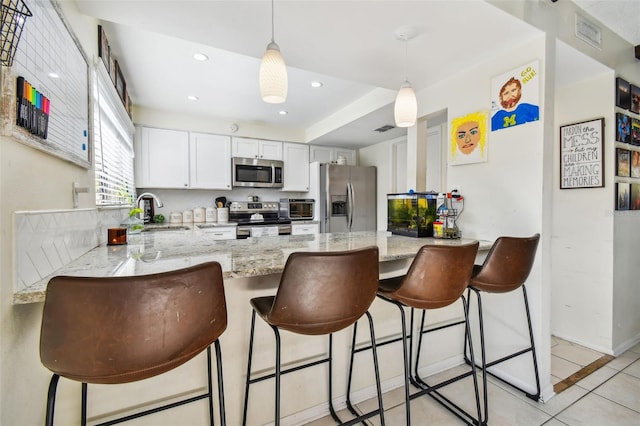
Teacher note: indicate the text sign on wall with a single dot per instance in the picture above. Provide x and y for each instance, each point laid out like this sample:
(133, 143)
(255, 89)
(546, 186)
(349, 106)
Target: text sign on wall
(581, 155)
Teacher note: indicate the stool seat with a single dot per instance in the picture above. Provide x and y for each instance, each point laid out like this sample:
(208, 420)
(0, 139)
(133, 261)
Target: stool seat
(437, 277)
(320, 293)
(114, 330)
(506, 268)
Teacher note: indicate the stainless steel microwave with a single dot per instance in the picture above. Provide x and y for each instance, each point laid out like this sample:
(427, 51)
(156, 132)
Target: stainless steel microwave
(257, 173)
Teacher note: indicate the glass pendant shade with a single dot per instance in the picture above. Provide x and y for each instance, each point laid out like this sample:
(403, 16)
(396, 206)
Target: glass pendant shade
(406, 107)
(273, 76)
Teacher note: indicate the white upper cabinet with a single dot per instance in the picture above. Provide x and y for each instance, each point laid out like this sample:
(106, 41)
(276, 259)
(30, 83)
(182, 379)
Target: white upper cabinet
(162, 158)
(180, 159)
(296, 167)
(256, 148)
(329, 154)
(210, 161)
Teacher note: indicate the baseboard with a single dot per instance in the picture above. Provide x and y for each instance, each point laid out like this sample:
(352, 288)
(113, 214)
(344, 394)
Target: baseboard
(626, 345)
(601, 349)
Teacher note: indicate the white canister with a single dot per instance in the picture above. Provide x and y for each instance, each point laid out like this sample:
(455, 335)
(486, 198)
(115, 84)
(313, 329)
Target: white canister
(211, 215)
(223, 214)
(198, 215)
(175, 217)
(187, 216)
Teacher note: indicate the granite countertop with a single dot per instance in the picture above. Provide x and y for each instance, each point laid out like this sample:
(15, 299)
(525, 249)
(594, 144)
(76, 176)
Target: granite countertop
(161, 251)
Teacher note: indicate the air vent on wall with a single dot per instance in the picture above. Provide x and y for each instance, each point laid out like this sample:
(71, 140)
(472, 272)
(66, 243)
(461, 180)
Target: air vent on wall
(384, 128)
(588, 31)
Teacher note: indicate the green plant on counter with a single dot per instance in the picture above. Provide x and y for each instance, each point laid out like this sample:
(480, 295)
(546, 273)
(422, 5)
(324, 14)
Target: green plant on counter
(134, 211)
(133, 223)
(158, 218)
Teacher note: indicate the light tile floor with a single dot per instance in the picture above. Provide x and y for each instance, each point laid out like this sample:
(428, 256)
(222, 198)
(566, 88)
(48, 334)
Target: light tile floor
(609, 396)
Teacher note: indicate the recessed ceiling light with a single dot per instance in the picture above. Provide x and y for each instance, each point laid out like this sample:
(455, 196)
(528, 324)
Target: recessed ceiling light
(283, 112)
(200, 57)
(316, 84)
(192, 98)
(53, 75)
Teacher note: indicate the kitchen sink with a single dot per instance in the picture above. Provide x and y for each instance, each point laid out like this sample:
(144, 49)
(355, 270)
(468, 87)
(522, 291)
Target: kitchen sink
(166, 228)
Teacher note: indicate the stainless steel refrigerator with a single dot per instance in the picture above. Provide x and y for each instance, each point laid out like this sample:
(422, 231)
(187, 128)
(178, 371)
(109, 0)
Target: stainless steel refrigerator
(347, 198)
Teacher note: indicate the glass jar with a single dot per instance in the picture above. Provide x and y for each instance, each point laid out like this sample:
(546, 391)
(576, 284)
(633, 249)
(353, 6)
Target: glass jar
(133, 224)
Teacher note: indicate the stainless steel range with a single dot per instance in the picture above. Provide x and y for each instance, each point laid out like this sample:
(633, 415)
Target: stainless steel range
(258, 219)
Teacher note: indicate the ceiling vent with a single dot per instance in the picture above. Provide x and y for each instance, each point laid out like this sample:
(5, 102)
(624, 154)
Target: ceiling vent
(384, 128)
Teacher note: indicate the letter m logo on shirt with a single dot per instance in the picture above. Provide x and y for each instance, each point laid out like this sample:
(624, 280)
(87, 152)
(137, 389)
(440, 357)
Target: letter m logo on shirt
(509, 120)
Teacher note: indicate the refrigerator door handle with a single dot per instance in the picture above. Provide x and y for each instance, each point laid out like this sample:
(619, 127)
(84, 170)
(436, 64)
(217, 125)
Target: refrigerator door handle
(350, 206)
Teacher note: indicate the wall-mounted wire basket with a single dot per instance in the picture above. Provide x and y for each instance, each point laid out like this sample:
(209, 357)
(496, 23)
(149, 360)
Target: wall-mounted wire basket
(14, 15)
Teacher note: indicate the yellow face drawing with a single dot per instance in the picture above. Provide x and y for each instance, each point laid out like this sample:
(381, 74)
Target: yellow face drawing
(468, 136)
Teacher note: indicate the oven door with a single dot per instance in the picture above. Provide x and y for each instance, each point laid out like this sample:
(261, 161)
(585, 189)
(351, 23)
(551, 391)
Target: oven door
(256, 231)
(301, 210)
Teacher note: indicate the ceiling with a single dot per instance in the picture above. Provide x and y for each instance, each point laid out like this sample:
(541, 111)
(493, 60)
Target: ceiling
(348, 45)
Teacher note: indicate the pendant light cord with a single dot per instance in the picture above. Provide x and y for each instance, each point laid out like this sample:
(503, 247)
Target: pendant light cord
(272, 23)
(406, 59)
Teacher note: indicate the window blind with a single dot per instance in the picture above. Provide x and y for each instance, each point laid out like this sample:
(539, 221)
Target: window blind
(113, 144)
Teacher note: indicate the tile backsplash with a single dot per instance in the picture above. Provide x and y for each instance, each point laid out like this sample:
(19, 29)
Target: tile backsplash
(46, 240)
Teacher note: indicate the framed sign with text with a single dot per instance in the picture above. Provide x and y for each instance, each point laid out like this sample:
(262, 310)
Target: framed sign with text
(581, 154)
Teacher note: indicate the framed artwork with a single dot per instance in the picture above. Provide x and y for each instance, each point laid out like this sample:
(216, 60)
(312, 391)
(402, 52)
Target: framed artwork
(112, 67)
(623, 162)
(635, 164)
(635, 131)
(635, 99)
(623, 195)
(623, 93)
(103, 48)
(582, 154)
(515, 97)
(623, 128)
(469, 139)
(121, 85)
(635, 197)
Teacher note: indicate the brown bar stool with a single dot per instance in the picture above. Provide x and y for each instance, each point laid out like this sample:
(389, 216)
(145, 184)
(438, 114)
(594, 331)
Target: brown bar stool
(320, 293)
(124, 329)
(437, 277)
(506, 268)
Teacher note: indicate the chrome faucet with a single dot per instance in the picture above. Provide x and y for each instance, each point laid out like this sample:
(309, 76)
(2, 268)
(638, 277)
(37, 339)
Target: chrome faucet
(144, 194)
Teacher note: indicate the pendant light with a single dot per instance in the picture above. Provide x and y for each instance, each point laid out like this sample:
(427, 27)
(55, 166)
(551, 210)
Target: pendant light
(406, 106)
(273, 72)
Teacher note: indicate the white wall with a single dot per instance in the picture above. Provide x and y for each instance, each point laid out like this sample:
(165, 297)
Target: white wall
(31, 180)
(582, 229)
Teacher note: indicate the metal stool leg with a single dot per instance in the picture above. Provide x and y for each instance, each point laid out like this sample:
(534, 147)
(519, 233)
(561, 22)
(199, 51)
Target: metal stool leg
(278, 371)
(51, 400)
(249, 359)
(535, 396)
(209, 386)
(223, 419)
(83, 409)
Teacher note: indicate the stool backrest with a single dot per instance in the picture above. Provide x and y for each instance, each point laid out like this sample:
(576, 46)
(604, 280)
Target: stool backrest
(123, 329)
(508, 264)
(438, 276)
(323, 292)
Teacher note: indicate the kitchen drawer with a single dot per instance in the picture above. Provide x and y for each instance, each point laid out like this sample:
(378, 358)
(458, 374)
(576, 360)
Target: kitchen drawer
(221, 232)
(305, 229)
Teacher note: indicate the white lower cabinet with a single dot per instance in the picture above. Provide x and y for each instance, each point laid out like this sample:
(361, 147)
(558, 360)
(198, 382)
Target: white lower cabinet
(305, 228)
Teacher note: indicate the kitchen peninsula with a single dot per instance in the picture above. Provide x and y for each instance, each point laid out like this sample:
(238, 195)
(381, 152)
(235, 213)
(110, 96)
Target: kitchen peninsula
(162, 250)
(252, 268)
